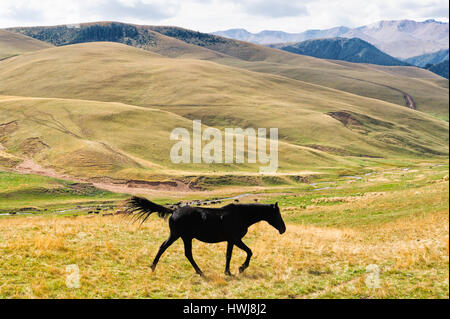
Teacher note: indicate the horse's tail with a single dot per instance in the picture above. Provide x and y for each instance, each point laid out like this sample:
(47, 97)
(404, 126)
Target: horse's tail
(142, 208)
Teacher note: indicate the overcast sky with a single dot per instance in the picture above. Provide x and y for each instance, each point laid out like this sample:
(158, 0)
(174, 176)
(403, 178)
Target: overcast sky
(214, 15)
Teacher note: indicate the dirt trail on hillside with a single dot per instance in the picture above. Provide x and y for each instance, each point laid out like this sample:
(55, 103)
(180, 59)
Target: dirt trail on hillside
(409, 101)
(133, 187)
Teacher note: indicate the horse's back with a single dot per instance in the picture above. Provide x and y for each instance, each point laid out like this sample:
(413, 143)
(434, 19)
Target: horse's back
(195, 217)
(206, 224)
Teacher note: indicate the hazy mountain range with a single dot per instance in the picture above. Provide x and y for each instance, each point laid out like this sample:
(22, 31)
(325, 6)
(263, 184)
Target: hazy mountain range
(398, 38)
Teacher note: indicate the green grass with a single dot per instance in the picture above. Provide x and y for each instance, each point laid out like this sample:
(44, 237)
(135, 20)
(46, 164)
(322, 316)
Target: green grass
(382, 193)
(19, 191)
(324, 253)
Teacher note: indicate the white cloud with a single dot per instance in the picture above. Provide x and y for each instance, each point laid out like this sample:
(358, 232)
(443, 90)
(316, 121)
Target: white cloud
(139, 9)
(274, 9)
(213, 15)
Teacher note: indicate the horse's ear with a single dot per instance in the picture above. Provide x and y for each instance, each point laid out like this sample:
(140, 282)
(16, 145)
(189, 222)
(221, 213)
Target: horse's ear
(276, 204)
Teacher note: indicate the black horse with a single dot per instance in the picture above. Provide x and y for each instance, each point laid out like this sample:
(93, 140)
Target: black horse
(211, 225)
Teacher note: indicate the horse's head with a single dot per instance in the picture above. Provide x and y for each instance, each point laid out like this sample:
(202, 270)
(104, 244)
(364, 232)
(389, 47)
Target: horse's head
(274, 218)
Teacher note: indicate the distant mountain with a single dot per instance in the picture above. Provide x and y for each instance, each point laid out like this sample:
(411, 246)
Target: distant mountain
(271, 37)
(398, 38)
(439, 68)
(351, 50)
(429, 58)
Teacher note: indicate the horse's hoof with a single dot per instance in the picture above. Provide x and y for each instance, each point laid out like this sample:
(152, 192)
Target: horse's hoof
(200, 273)
(153, 267)
(228, 273)
(241, 269)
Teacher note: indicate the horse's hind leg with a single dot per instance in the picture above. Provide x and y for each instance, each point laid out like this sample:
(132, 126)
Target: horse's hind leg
(169, 241)
(188, 254)
(229, 252)
(244, 247)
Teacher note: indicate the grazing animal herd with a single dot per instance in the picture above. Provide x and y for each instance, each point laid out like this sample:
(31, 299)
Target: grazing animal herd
(229, 223)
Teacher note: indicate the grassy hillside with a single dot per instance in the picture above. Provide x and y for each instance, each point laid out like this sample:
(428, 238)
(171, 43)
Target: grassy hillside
(429, 93)
(95, 139)
(28, 193)
(129, 34)
(351, 50)
(378, 82)
(318, 124)
(12, 44)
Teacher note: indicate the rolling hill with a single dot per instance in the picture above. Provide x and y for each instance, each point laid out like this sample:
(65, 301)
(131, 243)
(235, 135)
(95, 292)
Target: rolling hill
(107, 109)
(12, 44)
(351, 50)
(129, 34)
(385, 83)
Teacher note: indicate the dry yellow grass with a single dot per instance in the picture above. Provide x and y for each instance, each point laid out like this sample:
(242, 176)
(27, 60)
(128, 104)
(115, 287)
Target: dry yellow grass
(306, 262)
(92, 138)
(13, 44)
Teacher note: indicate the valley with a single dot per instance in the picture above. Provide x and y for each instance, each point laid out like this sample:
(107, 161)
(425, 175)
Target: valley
(86, 116)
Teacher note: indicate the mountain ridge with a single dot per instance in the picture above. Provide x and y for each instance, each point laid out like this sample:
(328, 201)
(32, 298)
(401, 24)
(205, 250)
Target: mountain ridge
(429, 58)
(440, 68)
(351, 50)
(416, 38)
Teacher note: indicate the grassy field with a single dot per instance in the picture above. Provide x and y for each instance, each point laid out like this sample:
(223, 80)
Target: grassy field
(382, 236)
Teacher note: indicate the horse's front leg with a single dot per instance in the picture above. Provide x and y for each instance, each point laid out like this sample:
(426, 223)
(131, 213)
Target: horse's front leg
(188, 254)
(229, 253)
(244, 247)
